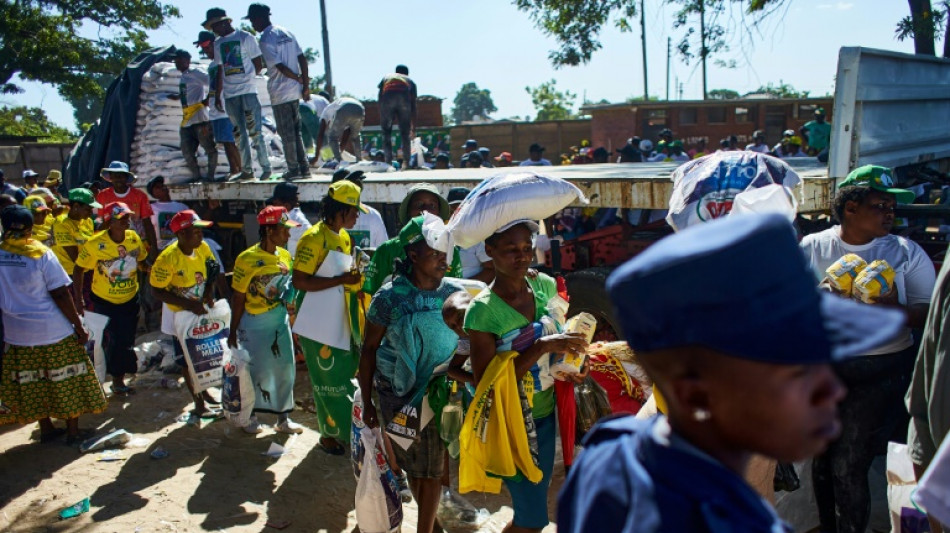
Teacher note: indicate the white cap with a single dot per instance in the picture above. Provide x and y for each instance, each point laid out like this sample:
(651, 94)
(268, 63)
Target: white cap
(28, 173)
(646, 145)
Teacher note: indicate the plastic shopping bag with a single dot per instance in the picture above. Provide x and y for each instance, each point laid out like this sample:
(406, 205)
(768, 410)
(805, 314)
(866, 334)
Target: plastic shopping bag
(357, 450)
(237, 395)
(204, 339)
(906, 517)
(96, 325)
(378, 507)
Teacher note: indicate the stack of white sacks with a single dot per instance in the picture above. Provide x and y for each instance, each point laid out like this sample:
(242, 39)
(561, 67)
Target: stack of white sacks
(156, 148)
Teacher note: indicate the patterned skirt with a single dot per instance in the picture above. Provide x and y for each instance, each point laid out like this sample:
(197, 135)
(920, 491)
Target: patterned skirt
(54, 380)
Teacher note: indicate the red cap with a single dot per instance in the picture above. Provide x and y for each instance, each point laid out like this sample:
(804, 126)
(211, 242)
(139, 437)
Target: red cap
(114, 210)
(273, 215)
(504, 156)
(186, 219)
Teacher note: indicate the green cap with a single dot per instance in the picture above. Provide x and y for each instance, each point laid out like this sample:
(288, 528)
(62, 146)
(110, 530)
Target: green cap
(879, 179)
(84, 196)
(412, 231)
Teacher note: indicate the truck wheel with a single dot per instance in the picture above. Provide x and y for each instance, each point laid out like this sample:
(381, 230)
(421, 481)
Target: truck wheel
(589, 294)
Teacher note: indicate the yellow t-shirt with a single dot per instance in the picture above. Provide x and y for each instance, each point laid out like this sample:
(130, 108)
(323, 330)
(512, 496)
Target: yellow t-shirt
(68, 232)
(114, 264)
(44, 232)
(181, 274)
(263, 277)
(316, 243)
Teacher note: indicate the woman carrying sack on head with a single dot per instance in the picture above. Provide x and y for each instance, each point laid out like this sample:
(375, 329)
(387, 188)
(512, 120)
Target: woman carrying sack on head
(329, 319)
(113, 255)
(47, 372)
(259, 319)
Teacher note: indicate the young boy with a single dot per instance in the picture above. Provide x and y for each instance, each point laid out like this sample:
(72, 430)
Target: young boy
(727, 320)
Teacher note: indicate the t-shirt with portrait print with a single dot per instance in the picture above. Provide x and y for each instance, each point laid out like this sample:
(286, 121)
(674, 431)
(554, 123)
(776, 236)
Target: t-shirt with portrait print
(114, 265)
(263, 277)
(183, 275)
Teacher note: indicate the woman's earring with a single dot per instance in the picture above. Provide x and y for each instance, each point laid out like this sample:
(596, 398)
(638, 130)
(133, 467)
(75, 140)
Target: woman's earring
(701, 415)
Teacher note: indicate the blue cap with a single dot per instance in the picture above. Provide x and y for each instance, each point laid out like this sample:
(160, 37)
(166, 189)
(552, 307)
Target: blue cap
(741, 286)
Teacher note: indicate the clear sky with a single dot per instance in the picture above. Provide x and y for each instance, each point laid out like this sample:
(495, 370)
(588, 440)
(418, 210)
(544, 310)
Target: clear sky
(446, 44)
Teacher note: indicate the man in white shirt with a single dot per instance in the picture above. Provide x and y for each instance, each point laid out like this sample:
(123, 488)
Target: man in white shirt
(758, 143)
(535, 153)
(239, 58)
(340, 126)
(288, 81)
(285, 195)
(220, 122)
(195, 123)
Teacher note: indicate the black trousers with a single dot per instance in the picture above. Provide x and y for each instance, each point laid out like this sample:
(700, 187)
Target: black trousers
(119, 336)
(870, 414)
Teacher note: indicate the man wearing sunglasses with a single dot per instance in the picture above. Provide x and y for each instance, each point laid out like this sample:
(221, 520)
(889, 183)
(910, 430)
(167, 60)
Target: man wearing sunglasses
(874, 407)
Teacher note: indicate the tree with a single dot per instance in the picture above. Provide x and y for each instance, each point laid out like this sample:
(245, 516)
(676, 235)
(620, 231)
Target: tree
(551, 103)
(471, 101)
(22, 120)
(925, 25)
(782, 90)
(723, 94)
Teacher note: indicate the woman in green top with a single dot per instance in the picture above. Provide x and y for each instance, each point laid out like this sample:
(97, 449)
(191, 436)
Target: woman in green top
(514, 302)
(259, 319)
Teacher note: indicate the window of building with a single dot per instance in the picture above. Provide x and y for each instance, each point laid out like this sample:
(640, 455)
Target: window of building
(805, 111)
(656, 117)
(716, 115)
(742, 115)
(688, 115)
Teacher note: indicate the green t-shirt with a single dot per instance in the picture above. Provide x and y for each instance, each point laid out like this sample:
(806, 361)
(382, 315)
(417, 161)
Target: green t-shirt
(381, 266)
(491, 314)
(819, 134)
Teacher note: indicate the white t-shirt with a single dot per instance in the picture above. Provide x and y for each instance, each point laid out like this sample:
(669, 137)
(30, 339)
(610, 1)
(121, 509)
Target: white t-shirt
(30, 316)
(193, 88)
(162, 213)
(329, 112)
(279, 46)
(915, 272)
(296, 215)
(472, 259)
(213, 112)
(317, 103)
(370, 230)
(235, 53)
(540, 163)
(761, 148)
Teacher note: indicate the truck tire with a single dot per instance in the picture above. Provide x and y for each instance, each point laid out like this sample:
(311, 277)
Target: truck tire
(588, 292)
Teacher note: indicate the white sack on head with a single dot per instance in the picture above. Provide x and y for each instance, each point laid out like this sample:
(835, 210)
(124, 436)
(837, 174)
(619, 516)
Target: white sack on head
(436, 234)
(505, 198)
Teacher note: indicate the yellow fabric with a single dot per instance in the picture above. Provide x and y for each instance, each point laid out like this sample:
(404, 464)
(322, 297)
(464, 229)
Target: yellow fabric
(660, 402)
(500, 448)
(114, 265)
(261, 276)
(66, 233)
(26, 247)
(189, 111)
(43, 232)
(181, 274)
(314, 245)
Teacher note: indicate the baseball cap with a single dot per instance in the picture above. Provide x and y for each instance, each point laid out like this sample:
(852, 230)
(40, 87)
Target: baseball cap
(35, 204)
(485, 151)
(505, 156)
(273, 215)
(535, 148)
(205, 37)
(114, 210)
(186, 219)
(443, 156)
(444, 211)
(28, 173)
(283, 192)
(256, 10)
(347, 193)
(756, 297)
(16, 218)
(84, 196)
(878, 178)
(355, 176)
(646, 145)
(457, 194)
(788, 133)
(471, 143)
(157, 180)
(819, 110)
(794, 139)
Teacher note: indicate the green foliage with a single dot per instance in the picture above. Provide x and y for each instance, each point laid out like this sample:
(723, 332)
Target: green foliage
(22, 120)
(471, 101)
(924, 25)
(723, 94)
(782, 90)
(635, 99)
(550, 103)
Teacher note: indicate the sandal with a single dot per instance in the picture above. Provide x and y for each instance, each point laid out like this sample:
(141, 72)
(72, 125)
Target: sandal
(336, 449)
(50, 436)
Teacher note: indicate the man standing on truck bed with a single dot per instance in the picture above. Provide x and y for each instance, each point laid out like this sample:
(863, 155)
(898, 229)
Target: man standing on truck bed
(195, 123)
(287, 82)
(220, 123)
(817, 132)
(239, 57)
(397, 102)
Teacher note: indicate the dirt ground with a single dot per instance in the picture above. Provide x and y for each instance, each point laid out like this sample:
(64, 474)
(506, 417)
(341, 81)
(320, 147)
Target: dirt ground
(215, 477)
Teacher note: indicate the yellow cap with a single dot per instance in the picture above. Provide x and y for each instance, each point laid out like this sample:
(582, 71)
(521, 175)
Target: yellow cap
(346, 192)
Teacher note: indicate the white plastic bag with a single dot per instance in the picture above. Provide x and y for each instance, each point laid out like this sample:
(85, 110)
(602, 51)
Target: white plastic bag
(901, 484)
(96, 325)
(505, 198)
(378, 507)
(204, 339)
(773, 198)
(237, 395)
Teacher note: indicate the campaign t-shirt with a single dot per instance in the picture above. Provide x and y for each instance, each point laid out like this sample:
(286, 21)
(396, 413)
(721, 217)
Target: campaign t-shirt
(114, 265)
(316, 243)
(263, 277)
(369, 230)
(193, 89)
(30, 316)
(137, 201)
(162, 213)
(182, 274)
(44, 232)
(68, 232)
(915, 271)
(213, 112)
(235, 53)
(279, 46)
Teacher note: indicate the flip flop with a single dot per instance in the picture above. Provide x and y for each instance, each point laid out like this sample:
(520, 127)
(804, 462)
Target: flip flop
(332, 450)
